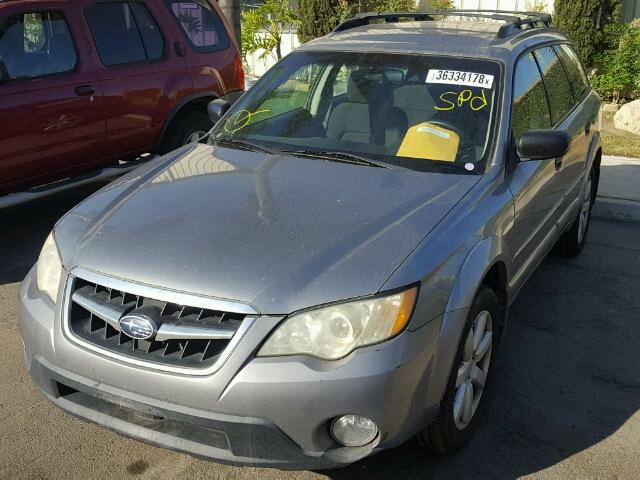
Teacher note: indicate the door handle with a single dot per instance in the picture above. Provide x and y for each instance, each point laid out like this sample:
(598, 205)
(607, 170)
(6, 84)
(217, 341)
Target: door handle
(587, 128)
(84, 90)
(178, 49)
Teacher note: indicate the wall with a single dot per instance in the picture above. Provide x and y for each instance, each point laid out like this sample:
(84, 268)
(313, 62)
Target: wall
(630, 9)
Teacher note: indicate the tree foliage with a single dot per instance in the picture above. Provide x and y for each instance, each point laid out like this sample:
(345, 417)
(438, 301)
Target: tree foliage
(262, 27)
(584, 22)
(316, 18)
(319, 17)
(618, 72)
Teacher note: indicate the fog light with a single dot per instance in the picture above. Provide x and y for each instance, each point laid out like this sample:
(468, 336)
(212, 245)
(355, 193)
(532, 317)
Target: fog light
(353, 430)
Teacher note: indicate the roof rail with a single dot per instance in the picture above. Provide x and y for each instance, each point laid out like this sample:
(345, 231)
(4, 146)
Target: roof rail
(514, 22)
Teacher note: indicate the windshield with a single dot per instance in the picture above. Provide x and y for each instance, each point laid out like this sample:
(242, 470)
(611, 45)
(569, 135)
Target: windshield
(427, 113)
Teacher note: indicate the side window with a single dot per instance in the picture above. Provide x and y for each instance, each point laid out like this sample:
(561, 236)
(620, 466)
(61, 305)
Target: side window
(530, 109)
(573, 68)
(124, 32)
(556, 82)
(292, 94)
(201, 25)
(36, 44)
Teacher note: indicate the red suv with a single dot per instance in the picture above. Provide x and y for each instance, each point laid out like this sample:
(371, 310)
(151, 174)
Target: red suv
(86, 83)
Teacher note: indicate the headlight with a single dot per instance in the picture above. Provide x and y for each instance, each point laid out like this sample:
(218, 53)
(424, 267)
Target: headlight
(49, 269)
(334, 331)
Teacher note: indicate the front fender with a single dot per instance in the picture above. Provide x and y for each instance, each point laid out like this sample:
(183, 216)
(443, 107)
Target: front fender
(481, 258)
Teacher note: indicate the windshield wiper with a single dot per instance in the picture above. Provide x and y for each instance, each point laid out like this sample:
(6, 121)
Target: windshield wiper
(338, 157)
(240, 144)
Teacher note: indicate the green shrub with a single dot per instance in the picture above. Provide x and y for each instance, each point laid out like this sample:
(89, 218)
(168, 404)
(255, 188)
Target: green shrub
(584, 22)
(317, 18)
(618, 72)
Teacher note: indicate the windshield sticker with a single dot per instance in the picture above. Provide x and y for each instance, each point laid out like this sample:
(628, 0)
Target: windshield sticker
(455, 77)
(452, 100)
(240, 119)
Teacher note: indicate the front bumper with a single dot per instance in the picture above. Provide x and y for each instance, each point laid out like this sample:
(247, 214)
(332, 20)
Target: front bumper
(253, 411)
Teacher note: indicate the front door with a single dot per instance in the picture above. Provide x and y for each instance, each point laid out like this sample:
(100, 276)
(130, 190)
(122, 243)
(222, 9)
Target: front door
(51, 117)
(537, 187)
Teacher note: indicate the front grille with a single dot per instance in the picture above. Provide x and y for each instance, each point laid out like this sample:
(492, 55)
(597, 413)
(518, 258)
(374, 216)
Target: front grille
(187, 336)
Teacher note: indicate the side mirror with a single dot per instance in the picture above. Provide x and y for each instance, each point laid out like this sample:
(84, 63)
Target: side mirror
(543, 144)
(4, 73)
(217, 108)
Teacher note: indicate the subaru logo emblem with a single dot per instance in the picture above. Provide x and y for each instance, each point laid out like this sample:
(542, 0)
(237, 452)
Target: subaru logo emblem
(138, 326)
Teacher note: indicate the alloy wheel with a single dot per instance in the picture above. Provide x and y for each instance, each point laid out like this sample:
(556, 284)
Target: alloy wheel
(195, 137)
(473, 370)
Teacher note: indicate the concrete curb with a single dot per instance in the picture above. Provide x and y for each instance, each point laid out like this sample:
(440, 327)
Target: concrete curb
(619, 191)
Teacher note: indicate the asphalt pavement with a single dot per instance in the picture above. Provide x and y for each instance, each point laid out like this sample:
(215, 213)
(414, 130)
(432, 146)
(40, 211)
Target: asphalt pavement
(564, 402)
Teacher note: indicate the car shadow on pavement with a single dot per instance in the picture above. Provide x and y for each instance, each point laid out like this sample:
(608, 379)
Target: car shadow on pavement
(24, 228)
(565, 378)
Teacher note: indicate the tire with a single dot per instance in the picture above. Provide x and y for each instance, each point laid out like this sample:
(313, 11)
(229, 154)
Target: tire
(183, 128)
(572, 241)
(447, 433)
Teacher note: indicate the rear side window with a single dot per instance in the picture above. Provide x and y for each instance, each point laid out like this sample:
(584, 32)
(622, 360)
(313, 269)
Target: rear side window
(556, 82)
(573, 68)
(201, 25)
(124, 32)
(36, 44)
(530, 108)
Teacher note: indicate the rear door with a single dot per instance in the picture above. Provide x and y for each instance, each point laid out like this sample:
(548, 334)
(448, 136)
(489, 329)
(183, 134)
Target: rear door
(565, 116)
(51, 116)
(209, 51)
(582, 120)
(141, 76)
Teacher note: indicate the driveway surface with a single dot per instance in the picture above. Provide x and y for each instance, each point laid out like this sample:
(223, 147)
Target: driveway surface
(565, 393)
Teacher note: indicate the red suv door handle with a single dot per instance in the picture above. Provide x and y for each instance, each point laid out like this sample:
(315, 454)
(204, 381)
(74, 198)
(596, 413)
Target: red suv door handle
(178, 48)
(84, 90)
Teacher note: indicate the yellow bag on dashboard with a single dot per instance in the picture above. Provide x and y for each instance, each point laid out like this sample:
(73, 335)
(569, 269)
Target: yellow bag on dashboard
(431, 142)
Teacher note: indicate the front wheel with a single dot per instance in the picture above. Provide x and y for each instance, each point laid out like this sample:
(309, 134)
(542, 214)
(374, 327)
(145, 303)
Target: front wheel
(189, 127)
(460, 407)
(572, 241)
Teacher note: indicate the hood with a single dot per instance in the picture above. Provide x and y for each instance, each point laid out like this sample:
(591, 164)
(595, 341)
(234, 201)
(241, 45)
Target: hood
(278, 232)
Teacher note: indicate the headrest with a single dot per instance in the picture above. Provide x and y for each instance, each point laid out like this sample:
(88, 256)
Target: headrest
(394, 76)
(14, 36)
(363, 86)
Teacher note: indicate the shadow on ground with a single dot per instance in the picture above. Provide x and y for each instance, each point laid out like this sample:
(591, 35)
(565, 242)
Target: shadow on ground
(24, 228)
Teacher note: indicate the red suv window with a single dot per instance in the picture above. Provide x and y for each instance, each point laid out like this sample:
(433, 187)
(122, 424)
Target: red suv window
(36, 44)
(124, 32)
(201, 25)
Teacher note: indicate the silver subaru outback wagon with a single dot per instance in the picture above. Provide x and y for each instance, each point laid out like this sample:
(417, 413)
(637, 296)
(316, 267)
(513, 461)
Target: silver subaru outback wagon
(330, 274)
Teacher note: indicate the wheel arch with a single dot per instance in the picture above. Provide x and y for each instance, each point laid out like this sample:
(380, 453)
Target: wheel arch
(197, 101)
(486, 264)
